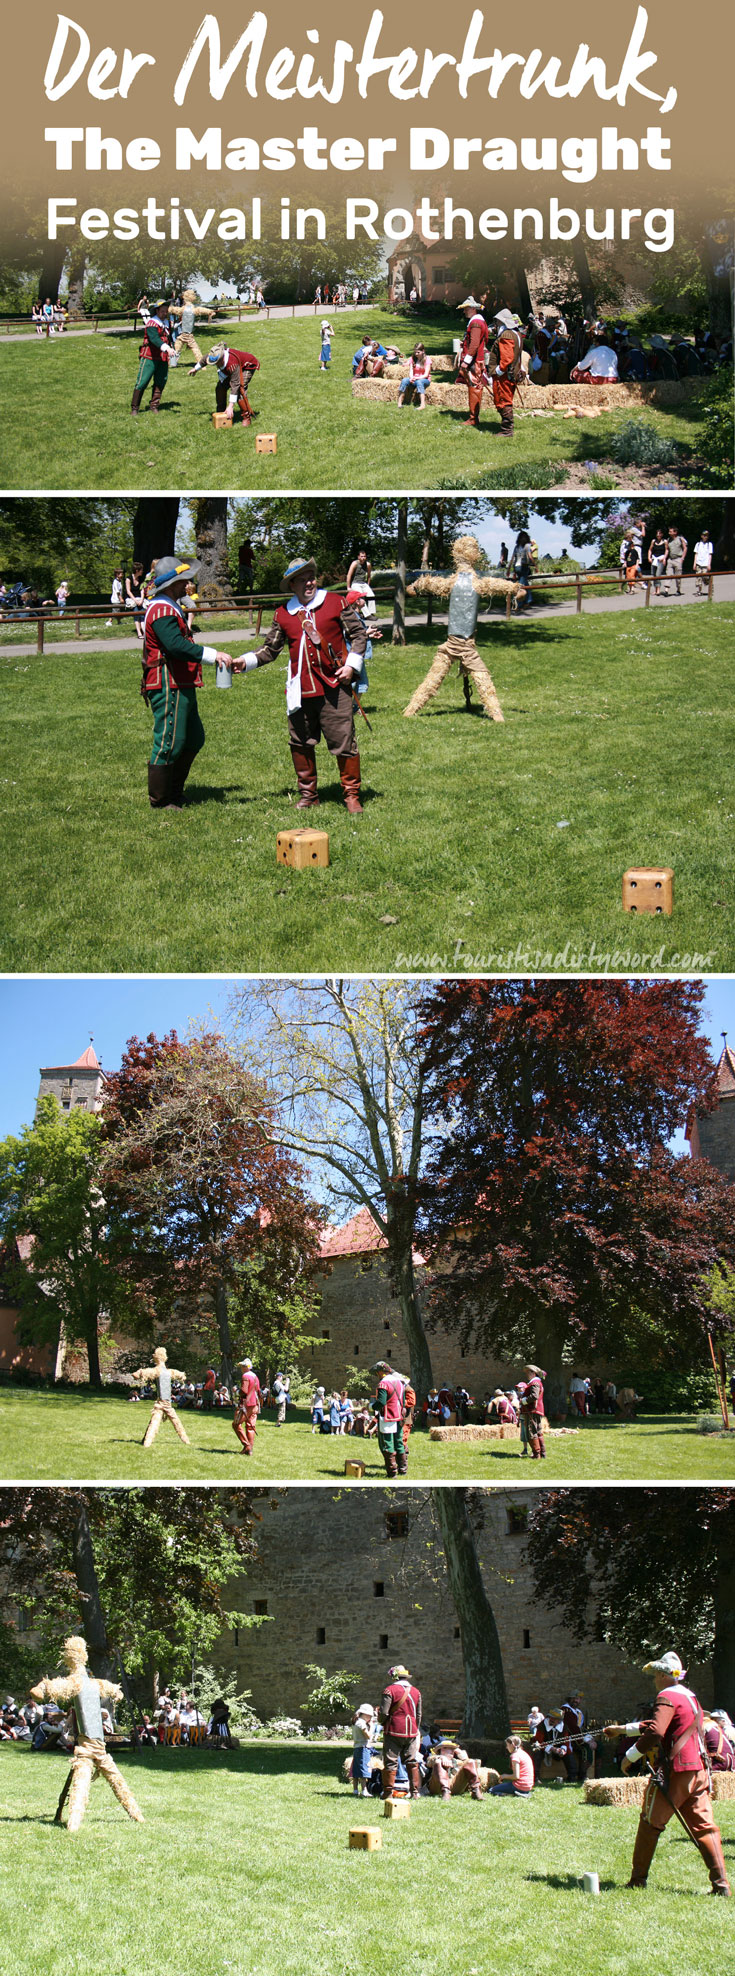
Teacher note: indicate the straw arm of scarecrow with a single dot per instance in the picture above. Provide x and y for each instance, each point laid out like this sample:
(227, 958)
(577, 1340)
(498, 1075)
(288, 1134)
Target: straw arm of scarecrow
(433, 586)
(496, 586)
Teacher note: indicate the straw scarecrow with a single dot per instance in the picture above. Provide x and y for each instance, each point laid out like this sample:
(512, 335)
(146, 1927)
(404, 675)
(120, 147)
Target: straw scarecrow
(84, 1695)
(464, 590)
(162, 1374)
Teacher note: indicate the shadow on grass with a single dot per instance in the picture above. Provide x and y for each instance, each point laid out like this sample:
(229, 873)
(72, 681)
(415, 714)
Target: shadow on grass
(570, 1883)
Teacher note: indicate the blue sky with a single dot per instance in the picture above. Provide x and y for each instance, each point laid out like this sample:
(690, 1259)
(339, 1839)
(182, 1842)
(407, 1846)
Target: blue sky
(48, 1021)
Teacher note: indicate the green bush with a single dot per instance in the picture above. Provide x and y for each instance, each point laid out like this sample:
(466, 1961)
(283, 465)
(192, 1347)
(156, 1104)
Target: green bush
(685, 1391)
(636, 444)
(208, 1686)
(716, 438)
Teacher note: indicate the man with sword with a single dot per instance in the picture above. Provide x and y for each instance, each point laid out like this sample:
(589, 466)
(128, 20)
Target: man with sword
(679, 1787)
(325, 640)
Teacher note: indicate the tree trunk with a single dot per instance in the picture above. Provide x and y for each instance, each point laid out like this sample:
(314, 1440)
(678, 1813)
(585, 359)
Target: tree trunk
(52, 268)
(77, 272)
(404, 1281)
(211, 538)
(93, 1356)
(399, 605)
(486, 1703)
(227, 1370)
(154, 527)
(525, 305)
(93, 1618)
(550, 1339)
(723, 1651)
(725, 537)
(584, 277)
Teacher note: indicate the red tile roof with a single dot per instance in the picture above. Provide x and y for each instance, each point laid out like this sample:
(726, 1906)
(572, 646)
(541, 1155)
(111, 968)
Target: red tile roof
(89, 1059)
(726, 1073)
(358, 1237)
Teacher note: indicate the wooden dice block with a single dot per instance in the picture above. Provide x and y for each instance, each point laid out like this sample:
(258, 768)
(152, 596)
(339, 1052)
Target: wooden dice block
(302, 847)
(221, 420)
(396, 1808)
(266, 442)
(365, 1838)
(648, 889)
(355, 1470)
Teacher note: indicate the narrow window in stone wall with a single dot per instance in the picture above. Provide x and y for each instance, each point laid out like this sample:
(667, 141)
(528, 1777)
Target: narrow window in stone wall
(326, 1334)
(397, 1523)
(356, 1351)
(386, 1324)
(321, 1636)
(383, 1642)
(526, 1638)
(236, 1636)
(457, 1633)
(260, 1608)
(517, 1519)
(378, 1588)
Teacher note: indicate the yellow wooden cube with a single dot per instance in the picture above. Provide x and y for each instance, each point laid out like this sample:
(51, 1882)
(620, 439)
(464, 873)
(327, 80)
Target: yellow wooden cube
(301, 848)
(648, 889)
(365, 1838)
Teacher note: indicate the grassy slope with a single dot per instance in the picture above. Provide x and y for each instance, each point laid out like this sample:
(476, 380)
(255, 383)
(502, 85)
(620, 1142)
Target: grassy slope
(243, 1864)
(76, 431)
(49, 1435)
(620, 728)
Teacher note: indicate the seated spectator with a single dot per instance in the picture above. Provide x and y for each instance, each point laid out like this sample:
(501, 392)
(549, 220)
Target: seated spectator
(718, 1745)
(661, 364)
(418, 381)
(218, 1726)
(520, 1782)
(346, 1413)
(600, 364)
(451, 1773)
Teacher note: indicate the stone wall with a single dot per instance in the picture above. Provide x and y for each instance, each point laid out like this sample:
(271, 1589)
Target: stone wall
(360, 1321)
(335, 1587)
(716, 1138)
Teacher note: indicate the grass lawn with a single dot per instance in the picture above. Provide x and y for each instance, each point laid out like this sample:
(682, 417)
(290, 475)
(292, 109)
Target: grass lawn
(97, 1437)
(69, 424)
(482, 848)
(243, 1864)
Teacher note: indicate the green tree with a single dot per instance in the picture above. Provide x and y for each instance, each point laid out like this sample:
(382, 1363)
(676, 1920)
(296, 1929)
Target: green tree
(145, 1574)
(457, 1511)
(342, 1058)
(645, 1573)
(67, 1254)
(197, 1180)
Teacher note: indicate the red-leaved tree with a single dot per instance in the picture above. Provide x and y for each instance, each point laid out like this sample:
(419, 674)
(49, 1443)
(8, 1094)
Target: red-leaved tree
(190, 1164)
(557, 1215)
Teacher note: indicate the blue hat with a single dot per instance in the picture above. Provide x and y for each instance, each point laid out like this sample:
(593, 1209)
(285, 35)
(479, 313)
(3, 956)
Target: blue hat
(301, 566)
(174, 569)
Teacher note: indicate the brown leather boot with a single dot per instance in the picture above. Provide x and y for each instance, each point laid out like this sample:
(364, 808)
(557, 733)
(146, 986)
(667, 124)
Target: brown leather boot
(156, 394)
(475, 401)
(349, 772)
(414, 1779)
(304, 761)
(506, 424)
(178, 772)
(711, 1848)
(646, 1841)
(161, 793)
(135, 403)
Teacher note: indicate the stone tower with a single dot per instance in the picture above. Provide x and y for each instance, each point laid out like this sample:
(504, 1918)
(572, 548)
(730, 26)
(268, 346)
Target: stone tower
(74, 1085)
(712, 1135)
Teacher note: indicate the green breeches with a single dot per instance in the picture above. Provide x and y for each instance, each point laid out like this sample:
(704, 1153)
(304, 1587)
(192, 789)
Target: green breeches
(177, 725)
(148, 368)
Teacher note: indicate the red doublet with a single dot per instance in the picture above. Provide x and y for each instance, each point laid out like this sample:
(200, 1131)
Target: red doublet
(475, 343)
(184, 672)
(309, 632)
(235, 362)
(676, 1724)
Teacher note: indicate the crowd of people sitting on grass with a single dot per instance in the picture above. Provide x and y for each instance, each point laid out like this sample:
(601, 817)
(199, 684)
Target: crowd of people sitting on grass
(600, 352)
(43, 1726)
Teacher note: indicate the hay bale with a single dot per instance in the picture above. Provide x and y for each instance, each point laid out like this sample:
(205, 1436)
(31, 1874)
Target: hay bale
(615, 1790)
(551, 397)
(723, 1785)
(499, 1431)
